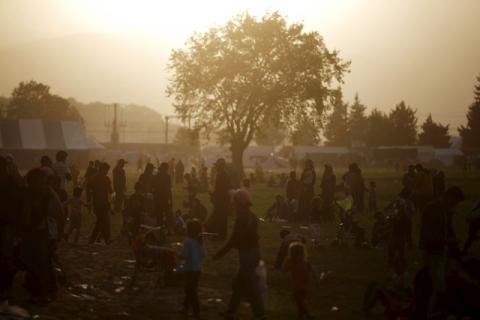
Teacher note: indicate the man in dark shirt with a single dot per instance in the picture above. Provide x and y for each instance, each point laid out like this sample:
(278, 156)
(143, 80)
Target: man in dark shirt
(162, 195)
(101, 190)
(119, 184)
(292, 189)
(438, 240)
(10, 199)
(244, 238)
(221, 201)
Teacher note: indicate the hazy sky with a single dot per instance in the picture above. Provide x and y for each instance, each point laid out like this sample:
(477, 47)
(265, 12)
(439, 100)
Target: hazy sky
(426, 52)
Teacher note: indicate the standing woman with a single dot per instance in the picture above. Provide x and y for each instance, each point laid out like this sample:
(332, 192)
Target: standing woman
(328, 185)
(307, 189)
(162, 196)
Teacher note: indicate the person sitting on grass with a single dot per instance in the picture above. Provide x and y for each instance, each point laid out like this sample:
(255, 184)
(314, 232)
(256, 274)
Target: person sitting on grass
(395, 294)
(76, 203)
(301, 272)
(193, 254)
(278, 210)
(287, 238)
(380, 231)
(151, 251)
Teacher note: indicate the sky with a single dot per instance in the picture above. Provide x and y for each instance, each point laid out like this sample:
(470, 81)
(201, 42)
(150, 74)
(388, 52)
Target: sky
(426, 52)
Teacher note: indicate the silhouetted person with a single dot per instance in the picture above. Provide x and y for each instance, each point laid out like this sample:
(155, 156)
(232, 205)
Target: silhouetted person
(198, 210)
(408, 180)
(119, 184)
(353, 181)
(438, 184)
(437, 238)
(307, 186)
(179, 172)
(61, 168)
(400, 228)
(473, 220)
(41, 205)
(328, 184)
(246, 285)
(162, 196)
(292, 190)
(75, 204)
(220, 200)
(89, 173)
(101, 190)
(423, 190)
(9, 225)
(146, 179)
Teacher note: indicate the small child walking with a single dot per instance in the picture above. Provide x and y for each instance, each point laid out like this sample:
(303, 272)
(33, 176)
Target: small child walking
(75, 204)
(193, 253)
(301, 272)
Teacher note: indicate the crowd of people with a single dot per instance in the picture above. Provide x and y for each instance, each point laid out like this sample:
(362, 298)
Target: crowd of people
(37, 208)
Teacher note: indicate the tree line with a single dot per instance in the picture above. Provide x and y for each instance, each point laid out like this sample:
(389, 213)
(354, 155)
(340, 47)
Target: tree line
(350, 125)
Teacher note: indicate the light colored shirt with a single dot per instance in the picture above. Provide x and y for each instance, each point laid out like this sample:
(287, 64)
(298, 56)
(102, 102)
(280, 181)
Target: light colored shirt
(61, 170)
(193, 253)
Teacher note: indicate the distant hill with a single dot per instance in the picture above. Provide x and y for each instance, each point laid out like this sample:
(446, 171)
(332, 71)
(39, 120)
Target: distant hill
(91, 67)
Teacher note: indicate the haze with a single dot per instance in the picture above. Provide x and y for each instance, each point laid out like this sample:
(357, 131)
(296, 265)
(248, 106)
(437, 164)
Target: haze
(424, 52)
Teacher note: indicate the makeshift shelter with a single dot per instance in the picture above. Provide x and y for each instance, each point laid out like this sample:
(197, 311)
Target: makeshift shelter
(29, 139)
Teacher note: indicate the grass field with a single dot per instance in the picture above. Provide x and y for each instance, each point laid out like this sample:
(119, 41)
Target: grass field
(98, 275)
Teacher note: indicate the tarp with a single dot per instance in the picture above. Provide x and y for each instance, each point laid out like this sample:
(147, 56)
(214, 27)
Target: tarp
(37, 134)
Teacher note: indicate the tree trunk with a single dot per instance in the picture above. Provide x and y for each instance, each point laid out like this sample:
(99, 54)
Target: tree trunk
(237, 150)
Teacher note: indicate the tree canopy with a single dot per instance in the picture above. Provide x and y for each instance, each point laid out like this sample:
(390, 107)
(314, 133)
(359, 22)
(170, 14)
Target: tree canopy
(270, 133)
(357, 122)
(434, 134)
(403, 125)
(336, 128)
(232, 77)
(305, 133)
(33, 100)
(377, 128)
(470, 132)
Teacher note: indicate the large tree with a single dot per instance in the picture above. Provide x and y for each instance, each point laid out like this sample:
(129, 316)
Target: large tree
(476, 90)
(378, 124)
(434, 134)
(336, 128)
(232, 77)
(403, 125)
(470, 132)
(305, 133)
(33, 100)
(357, 122)
(269, 133)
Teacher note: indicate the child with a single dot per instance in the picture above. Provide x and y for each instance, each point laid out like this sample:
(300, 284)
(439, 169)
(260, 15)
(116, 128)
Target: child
(301, 271)
(193, 253)
(134, 212)
(372, 197)
(75, 204)
(278, 210)
(395, 293)
(287, 238)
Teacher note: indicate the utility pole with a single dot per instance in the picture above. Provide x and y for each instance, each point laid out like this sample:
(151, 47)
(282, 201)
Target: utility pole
(114, 137)
(115, 125)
